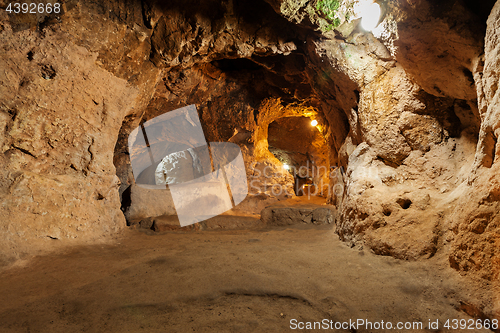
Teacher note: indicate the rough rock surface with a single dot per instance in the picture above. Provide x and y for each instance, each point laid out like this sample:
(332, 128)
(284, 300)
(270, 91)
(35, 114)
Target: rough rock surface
(475, 222)
(437, 45)
(413, 129)
(290, 215)
(405, 139)
(148, 203)
(59, 127)
(409, 111)
(299, 212)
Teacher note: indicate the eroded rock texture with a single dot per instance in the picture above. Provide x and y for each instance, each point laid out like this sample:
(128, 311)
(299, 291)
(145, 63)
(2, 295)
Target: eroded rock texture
(413, 122)
(475, 222)
(410, 113)
(65, 88)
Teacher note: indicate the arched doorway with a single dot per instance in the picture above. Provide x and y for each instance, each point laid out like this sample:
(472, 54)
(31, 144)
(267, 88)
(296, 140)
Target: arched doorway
(298, 144)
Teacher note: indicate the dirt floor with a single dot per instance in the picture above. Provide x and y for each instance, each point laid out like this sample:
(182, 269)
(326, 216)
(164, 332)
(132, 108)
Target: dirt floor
(225, 281)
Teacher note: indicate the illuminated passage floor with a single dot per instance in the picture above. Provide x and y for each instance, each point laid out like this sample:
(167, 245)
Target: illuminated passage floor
(223, 281)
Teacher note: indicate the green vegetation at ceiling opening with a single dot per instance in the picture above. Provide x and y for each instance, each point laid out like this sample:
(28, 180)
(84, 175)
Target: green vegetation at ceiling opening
(335, 12)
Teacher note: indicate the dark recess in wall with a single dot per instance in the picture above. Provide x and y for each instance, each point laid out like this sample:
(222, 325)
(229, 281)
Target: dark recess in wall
(481, 8)
(231, 65)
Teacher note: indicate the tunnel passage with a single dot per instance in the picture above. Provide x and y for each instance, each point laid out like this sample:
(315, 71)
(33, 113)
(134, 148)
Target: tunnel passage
(389, 104)
(301, 148)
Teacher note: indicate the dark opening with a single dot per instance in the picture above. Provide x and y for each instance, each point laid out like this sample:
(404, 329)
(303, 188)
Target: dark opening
(387, 212)
(300, 146)
(404, 203)
(230, 65)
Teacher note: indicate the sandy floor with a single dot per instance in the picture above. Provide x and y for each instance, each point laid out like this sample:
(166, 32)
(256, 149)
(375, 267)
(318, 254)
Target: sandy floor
(223, 281)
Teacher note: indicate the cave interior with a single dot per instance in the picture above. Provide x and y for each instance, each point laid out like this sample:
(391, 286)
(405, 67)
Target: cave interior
(197, 140)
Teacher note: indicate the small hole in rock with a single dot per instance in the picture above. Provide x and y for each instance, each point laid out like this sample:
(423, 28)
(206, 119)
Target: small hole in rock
(24, 82)
(30, 55)
(468, 74)
(387, 212)
(48, 72)
(404, 203)
(13, 114)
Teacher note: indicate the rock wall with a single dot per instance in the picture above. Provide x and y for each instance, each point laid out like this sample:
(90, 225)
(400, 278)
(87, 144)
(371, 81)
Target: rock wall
(411, 141)
(74, 85)
(420, 103)
(475, 222)
(64, 91)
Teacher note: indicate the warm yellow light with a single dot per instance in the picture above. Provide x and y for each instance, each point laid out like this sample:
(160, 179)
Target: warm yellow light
(314, 123)
(369, 12)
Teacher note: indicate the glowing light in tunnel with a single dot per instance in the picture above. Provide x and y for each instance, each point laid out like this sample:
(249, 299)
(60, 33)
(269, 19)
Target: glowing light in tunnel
(314, 123)
(369, 12)
(286, 166)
